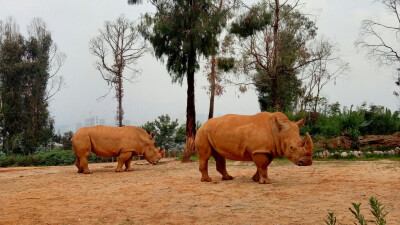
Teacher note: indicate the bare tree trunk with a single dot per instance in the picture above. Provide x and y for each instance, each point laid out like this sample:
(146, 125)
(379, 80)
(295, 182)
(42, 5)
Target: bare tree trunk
(190, 110)
(120, 111)
(275, 85)
(212, 88)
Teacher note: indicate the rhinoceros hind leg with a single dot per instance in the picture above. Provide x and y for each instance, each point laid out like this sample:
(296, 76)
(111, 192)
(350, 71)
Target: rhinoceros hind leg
(77, 164)
(256, 177)
(84, 165)
(204, 152)
(204, 170)
(221, 165)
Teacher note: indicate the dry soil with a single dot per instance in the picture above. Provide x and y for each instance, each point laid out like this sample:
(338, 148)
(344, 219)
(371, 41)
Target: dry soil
(171, 193)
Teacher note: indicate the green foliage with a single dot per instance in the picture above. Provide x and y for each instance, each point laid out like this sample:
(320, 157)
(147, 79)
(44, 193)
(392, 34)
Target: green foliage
(24, 71)
(164, 129)
(376, 210)
(168, 133)
(180, 136)
(357, 214)
(256, 19)
(331, 219)
(181, 31)
(289, 90)
(379, 120)
(275, 79)
(333, 121)
(226, 64)
(66, 140)
(53, 158)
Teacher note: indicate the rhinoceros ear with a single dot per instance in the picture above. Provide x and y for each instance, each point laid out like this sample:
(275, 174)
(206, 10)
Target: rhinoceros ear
(163, 153)
(281, 126)
(152, 135)
(301, 122)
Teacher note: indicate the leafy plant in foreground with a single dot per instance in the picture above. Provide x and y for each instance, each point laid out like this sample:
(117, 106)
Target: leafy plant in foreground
(376, 210)
(331, 219)
(357, 214)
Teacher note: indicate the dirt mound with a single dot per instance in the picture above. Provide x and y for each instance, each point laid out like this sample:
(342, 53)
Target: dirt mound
(342, 142)
(380, 140)
(373, 141)
(171, 193)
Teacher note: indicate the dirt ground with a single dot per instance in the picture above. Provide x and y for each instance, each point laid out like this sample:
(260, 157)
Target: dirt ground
(171, 193)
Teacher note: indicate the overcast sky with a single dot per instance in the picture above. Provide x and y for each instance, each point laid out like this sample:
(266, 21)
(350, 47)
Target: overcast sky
(74, 22)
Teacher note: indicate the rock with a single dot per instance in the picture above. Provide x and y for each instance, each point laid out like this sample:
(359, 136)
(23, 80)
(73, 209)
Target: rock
(391, 152)
(357, 154)
(377, 152)
(325, 154)
(344, 154)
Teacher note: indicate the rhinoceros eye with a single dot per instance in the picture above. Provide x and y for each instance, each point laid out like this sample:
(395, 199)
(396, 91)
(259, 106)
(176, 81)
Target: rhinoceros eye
(291, 147)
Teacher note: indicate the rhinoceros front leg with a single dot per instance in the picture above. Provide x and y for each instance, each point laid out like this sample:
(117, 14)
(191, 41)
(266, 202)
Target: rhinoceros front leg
(122, 159)
(128, 164)
(262, 161)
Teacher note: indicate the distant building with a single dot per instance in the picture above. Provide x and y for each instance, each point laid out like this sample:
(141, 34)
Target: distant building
(201, 117)
(90, 122)
(78, 126)
(126, 122)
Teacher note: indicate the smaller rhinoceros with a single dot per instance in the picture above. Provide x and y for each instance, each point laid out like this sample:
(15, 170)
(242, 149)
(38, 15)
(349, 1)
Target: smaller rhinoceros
(259, 138)
(124, 142)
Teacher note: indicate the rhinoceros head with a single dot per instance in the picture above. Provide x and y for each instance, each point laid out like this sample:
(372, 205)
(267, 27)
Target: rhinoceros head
(153, 156)
(294, 148)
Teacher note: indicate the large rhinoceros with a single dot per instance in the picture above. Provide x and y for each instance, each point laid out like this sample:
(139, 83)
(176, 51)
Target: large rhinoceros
(124, 142)
(259, 138)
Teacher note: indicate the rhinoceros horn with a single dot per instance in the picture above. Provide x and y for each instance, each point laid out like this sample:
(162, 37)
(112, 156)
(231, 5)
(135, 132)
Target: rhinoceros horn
(308, 144)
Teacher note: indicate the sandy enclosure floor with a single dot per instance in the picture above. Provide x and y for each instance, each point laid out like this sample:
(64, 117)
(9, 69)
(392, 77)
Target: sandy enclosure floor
(171, 193)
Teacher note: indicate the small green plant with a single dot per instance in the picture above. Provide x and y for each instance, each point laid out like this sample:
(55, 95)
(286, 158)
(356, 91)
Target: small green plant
(376, 210)
(357, 214)
(331, 219)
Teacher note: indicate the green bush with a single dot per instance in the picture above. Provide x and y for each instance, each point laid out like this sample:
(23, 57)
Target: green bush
(54, 158)
(333, 121)
(380, 121)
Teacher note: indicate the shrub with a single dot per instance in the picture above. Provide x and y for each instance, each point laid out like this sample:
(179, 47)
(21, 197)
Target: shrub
(376, 210)
(333, 121)
(54, 158)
